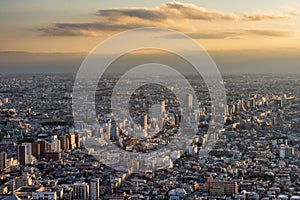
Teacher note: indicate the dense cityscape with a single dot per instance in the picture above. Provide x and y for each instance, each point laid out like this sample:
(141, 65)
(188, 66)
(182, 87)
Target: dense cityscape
(256, 155)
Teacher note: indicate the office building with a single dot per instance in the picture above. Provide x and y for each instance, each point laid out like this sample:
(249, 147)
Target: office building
(94, 189)
(55, 144)
(144, 121)
(72, 142)
(3, 160)
(81, 191)
(36, 150)
(77, 140)
(189, 102)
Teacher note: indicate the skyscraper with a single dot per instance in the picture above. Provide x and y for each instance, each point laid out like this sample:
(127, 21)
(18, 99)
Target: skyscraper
(282, 151)
(3, 160)
(45, 147)
(55, 144)
(36, 150)
(77, 140)
(81, 191)
(114, 131)
(28, 152)
(144, 121)
(72, 143)
(64, 142)
(163, 107)
(189, 101)
(22, 155)
(94, 189)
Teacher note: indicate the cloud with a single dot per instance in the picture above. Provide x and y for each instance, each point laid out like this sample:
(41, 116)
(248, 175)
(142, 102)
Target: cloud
(263, 17)
(83, 29)
(209, 35)
(173, 15)
(270, 32)
(235, 34)
(141, 13)
(259, 16)
(293, 12)
(112, 20)
(171, 10)
(190, 11)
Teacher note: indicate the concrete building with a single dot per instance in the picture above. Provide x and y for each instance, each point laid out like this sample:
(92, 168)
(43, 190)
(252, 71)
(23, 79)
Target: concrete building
(3, 160)
(55, 144)
(81, 191)
(189, 101)
(94, 189)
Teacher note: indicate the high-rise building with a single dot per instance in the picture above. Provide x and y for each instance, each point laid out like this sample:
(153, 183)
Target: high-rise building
(282, 151)
(44, 147)
(94, 189)
(252, 103)
(81, 191)
(155, 111)
(189, 101)
(290, 151)
(28, 151)
(22, 155)
(55, 144)
(144, 121)
(77, 140)
(106, 131)
(163, 106)
(3, 160)
(64, 142)
(36, 150)
(177, 119)
(114, 131)
(72, 143)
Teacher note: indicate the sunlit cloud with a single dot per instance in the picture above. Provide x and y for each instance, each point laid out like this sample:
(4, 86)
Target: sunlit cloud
(171, 10)
(174, 15)
(270, 32)
(268, 16)
(292, 12)
(217, 34)
(83, 29)
(235, 34)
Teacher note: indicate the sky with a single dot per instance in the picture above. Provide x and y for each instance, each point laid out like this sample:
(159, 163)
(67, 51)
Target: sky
(241, 36)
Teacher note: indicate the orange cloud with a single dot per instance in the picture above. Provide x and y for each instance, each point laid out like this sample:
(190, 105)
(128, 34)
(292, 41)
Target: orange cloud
(263, 17)
(173, 15)
(171, 10)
